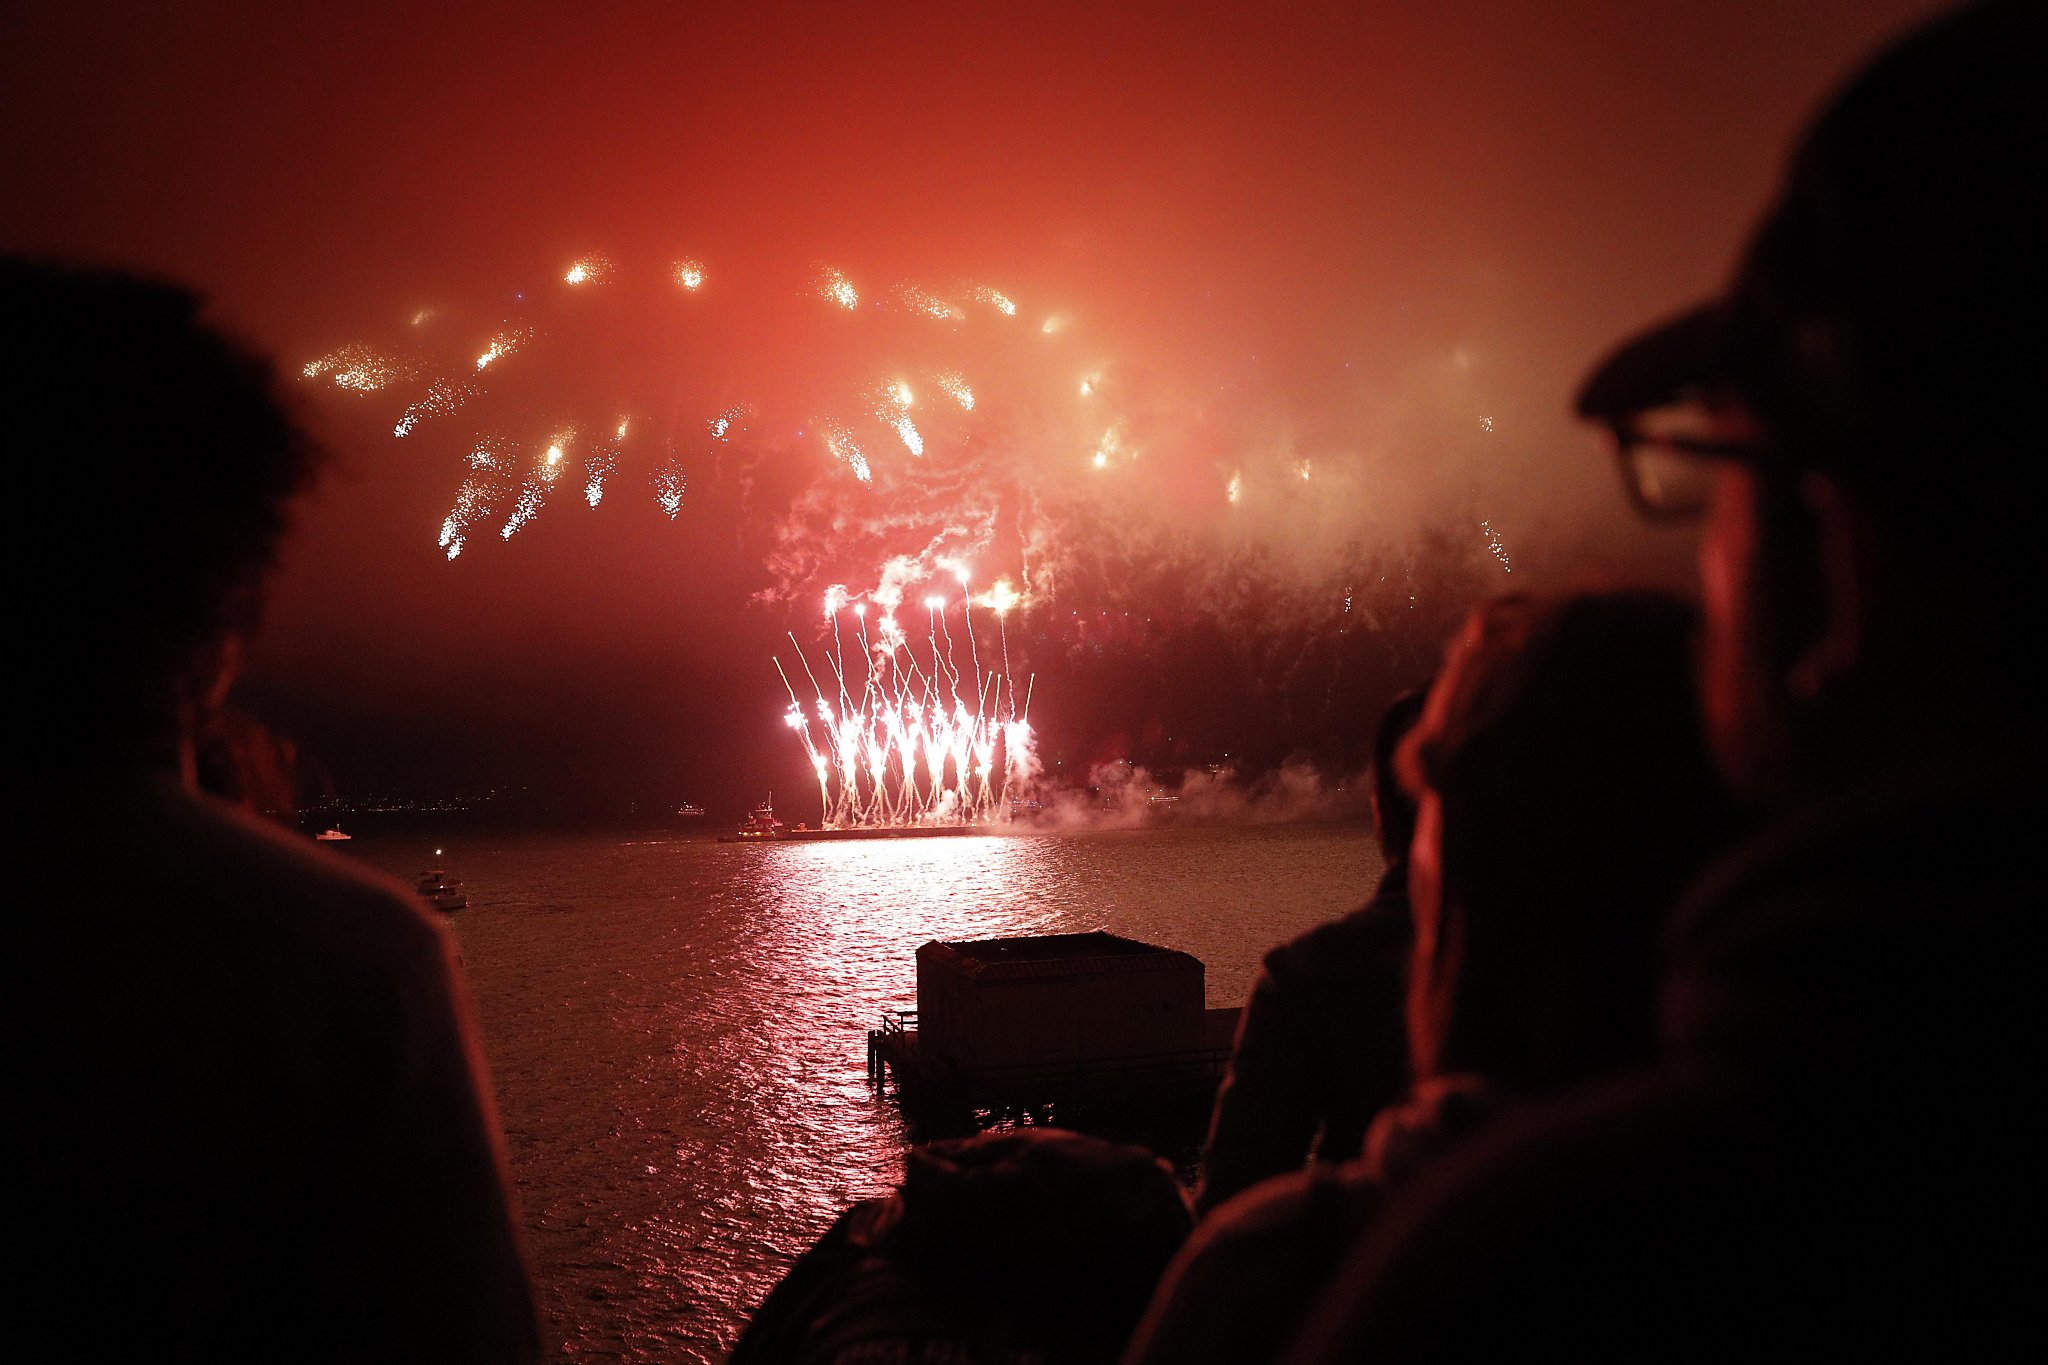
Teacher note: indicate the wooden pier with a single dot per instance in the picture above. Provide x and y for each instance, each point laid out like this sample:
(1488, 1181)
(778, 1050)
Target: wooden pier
(1011, 1023)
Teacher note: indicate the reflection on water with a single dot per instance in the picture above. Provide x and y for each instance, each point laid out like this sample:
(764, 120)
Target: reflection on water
(676, 1028)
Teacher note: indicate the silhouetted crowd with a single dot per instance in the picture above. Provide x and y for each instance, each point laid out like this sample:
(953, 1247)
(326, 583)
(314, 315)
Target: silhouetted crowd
(1687, 1018)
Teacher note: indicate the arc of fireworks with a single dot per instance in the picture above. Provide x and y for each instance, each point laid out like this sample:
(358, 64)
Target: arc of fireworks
(362, 369)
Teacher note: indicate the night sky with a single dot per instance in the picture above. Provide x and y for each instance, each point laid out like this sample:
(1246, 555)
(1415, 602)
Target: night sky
(1301, 296)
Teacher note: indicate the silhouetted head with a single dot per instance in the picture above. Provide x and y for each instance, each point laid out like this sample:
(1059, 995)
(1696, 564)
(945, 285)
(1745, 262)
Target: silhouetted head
(1393, 806)
(159, 468)
(1566, 796)
(1852, 419)
(1057, 1237)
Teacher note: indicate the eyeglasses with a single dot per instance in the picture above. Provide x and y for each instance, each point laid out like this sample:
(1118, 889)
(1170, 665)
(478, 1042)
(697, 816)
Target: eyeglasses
(1668, 459)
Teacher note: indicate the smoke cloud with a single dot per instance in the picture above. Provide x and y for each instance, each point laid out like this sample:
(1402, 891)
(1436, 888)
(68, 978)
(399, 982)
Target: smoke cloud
(1123, 795)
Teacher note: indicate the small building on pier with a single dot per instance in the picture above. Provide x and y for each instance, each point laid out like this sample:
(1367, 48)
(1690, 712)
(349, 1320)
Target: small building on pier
(1020, 1021)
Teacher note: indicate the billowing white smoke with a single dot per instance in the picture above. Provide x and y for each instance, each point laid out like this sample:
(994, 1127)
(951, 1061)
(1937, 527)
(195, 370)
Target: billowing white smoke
(1127, 796)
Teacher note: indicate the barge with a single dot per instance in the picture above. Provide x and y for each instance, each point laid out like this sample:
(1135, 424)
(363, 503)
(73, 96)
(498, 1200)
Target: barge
(762, 827)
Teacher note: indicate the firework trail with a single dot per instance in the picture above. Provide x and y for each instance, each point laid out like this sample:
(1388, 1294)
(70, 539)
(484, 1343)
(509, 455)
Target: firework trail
(923, 301)
(892, 409)
(967, 611)
(1000, 599)
(603, 462)
(533, 494)
(729, 423)
(357, 369)
(997, 300)
(482, 491)
(835, 598)
(503, 344)
(938, 605)
(956, 387)
(440, 399)
(1494, 546)
(846, 449)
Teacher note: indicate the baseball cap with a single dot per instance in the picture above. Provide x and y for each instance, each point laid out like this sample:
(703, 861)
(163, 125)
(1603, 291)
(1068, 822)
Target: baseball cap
(1888, 308)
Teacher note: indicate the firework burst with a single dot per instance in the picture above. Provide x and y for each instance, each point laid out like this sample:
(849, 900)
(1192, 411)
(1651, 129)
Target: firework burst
(875, 426)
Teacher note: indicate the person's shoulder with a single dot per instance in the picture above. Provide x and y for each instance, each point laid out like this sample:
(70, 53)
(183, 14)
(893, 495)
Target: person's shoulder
(1900, 846)
(1862, 936)
(1237, 1287)
(208, 861)
(1274, 1205)
(1503, 1227)
(1380, 927)
(1286, 1213)
(1688, 1205)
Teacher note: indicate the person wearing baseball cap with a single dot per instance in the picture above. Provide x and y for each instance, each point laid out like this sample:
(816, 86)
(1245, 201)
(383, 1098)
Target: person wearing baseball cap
(1821, 1162)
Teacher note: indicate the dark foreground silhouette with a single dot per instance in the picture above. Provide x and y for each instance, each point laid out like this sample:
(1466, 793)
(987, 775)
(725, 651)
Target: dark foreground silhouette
(1034, 1245)
(1809, 1169)
(1320, 1046)
(249, 1116)
(1565, 793)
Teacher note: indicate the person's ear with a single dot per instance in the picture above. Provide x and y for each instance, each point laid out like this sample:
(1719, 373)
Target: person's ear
(1841, 549)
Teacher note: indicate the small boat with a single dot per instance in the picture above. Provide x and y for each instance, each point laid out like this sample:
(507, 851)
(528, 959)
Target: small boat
(689, 808)
(438, 891)
(332, 834)
(760, 825)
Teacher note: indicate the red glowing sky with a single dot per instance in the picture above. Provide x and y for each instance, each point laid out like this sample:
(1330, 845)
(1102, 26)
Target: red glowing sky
(1308, 190)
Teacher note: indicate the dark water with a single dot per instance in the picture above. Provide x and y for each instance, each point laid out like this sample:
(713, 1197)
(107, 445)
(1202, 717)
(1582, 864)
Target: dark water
(676, 1027)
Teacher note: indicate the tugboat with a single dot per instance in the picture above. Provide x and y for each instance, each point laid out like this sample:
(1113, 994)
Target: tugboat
(332, 835)
(760, 825)
(444, 895)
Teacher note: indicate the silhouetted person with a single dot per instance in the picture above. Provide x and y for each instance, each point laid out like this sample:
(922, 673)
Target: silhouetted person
(248, 1119)
(1812, 1169)
(1035, 1245)
(1565, 794)
(1321, 1048)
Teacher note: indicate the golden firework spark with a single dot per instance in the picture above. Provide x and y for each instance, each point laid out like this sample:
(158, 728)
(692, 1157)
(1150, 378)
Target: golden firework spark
(502, 345)
(357, 369)
(996, 299)
(844, 448)
(836, 288)
(955, 388)
(589, 270)
(1001, 597)
(441, 398)
(925, 303)
(1493, 543)
(669, 486)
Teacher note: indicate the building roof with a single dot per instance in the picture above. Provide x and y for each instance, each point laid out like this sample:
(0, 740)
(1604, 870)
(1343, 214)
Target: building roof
(1053, 955)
